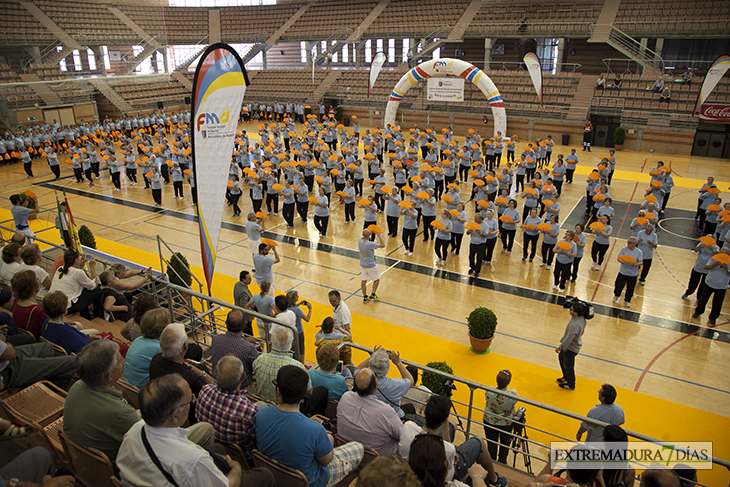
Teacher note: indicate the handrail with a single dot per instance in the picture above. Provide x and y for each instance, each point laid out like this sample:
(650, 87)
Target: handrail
(641, 53)
(161, 241)
(531, 28)
(676, 25)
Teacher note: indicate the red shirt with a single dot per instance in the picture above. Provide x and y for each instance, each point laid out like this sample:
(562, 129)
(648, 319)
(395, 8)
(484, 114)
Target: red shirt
(29, 318)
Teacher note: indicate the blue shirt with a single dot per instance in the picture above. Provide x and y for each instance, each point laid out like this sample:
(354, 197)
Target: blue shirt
(20, 215)
(68, 337)
(367, 253)
(717, 277)
(137, 361)
(390, 391)
(335, 384)
(629, 270)
(299, 314)
(263, 264)
(294, 440)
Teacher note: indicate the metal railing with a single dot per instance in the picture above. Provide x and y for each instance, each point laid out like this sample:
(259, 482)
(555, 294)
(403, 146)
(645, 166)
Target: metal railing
(473, 416)
(416, 31)
(541, 29)
(635, 50)
(703, 28)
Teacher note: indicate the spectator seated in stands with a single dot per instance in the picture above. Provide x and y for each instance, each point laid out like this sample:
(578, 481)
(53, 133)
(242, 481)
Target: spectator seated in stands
(55, 329)
(460, 458)
(287, 436)
(164, 405)
(334, 334)
(665, 96)
(33, 468)
(362, 417)
(687, 77)
(617, 81)
(120, 273)
(7, 323)
(428, 461)
(80, 289)
(31, 256)
(171, 360)
(27, 313)
(226, 406)
(95, 415)
(416, 395)
(11, 262)
(392, 471)
(267, 366)
(658, 85)
(142, 304)
(27, 364)
(659, 477)
(233, 343)
(390, 391)
(581, 475)
(115, 303)
(686, 474)
(139, 356)
(601, 82)
(326, 375)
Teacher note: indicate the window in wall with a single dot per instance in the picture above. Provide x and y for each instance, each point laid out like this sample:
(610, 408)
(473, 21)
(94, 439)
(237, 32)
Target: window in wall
(547, 53)
(436, 52)
(91, 58)
(368, 50)
(391, 50)
(105, 56)
(334, 55)
(406, 47)
(160, 61)
(379, 43)
(303, 52)
(345, 53)
(62, 62)
(77, 60)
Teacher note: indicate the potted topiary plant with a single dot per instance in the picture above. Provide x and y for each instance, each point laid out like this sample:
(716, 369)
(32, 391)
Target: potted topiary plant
(86, 237)
(28, 198)
(433, 381)
(619, 137)
(178, 270)
(482, 324)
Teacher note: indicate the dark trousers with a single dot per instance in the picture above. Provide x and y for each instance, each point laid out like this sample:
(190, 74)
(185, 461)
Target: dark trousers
(463, 172)
(476, 256)
(665, 200)
(257, 205)
(315, 403)
(442, 248)
(303, 208)
(456, 239)
(178, 187)
(427, 228)
(350, 212)
(272, 199)
(520, 182)
(194, 194)
(357, 183)
(645, 269)
(710, 228)
(379, 201)
(95, 168)
(392, 225)
(115, 180)
(88, 297)
(576, 264)
(409, 238)
(491, 242)
(558, 186)
(287, 212)
(321, 223)
(498, 435)
(234, 202)
(589, 202)
(438, 189)
(508, 239)
(56, 170)
(696, 280)
(567, 366)
(598, 251)
(87, 173)
(165, 172)
(569, 175)
(78, 173)
(531, 242)
(547, 253)
(717, 300)
(530, 173)
(628, 281)
(562, 273)
(157, 196)
(132, 175)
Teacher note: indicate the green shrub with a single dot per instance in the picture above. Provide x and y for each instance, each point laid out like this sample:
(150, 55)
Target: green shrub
(179, 267)
(482, 323)
(86, 237)
(338, 113)
(619, 136)
(23, 198)
(433, 381)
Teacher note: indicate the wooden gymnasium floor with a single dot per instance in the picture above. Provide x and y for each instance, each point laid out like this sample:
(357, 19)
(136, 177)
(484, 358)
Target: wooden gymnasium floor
(668, 367)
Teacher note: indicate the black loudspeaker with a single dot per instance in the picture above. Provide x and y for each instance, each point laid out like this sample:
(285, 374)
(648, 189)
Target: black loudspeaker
(160, 105)
(187, 100)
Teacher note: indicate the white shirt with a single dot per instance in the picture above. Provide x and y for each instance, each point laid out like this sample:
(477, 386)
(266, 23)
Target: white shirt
(72, 284)
(410, 431)
(188, 463)
(7, 271)
(341, 315)
(40, 274)
(287, 316)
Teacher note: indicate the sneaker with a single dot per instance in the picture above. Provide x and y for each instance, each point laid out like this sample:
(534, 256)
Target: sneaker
(500, 482)
(696, 315)
(508, 253)
(549, 266)
(598, 267)
(712, 321)
(530, 261)
(489, 262)
(593, 266)
(615, 299)
(542, 264)
(365, 299)
(627, 304)
(374, 296)
(562, 289)
(503, 251)
(405, 251)
(524, 259)
(555, 286)
(565, 385)
(561, 380)
(642, 283)
(410, 253)
(685, 296)
(471, 271)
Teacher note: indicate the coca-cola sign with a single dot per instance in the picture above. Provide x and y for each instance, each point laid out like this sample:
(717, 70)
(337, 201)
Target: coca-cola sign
(715, 113)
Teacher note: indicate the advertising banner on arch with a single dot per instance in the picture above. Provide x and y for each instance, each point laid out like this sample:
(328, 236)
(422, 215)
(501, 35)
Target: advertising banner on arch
(218, 88)
(533, 67)
(445, 89)
(713, 76)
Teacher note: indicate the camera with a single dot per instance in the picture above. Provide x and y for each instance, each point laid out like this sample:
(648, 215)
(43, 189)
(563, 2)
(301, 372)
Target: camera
(571, 300)
(519, 415)
(449, 387)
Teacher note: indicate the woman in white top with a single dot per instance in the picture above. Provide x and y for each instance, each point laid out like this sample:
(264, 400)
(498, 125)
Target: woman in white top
(11, 262)
(31, 257)
(498, 414)
(80, 289)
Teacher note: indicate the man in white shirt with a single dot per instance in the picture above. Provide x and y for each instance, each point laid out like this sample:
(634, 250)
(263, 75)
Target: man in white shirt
(340, 311)
(156, 451)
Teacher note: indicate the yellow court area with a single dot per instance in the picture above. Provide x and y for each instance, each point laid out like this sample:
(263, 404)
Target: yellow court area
(672, 379)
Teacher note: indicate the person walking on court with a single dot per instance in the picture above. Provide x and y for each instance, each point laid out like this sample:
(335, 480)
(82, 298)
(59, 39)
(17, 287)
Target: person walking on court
(648, 242)
(718, 275)
(262, 266)
(629, 271)
(368, 268)
(571, 344)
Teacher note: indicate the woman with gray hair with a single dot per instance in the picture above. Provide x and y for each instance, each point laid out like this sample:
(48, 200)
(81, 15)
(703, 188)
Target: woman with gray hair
(497, 417)
(31, 257)
(390, 391)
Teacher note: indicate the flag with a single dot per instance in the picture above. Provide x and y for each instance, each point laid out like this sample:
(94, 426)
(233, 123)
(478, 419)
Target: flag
(73, 233)
(533, 67)
(716, 71)
(375, 67)
(218, 88)
(64, 224)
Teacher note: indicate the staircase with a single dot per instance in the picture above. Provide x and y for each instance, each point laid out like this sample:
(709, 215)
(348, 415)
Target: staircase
(131, 64)
(149, 42)
(368, 21)
(605, 32)
(432, 42)
(457, 33)
(183, 80)
(580, 106)
(111, 95)
(274, 38)
(52, 56)
(44, 90)
(183, 65)
(323, 87)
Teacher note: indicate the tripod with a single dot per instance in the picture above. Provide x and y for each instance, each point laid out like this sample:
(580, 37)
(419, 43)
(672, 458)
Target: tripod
(448, 391)
(519, 442)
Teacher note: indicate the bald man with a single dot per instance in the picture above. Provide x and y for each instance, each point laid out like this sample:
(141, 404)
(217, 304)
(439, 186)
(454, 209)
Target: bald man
(362, 417)
(368, 268)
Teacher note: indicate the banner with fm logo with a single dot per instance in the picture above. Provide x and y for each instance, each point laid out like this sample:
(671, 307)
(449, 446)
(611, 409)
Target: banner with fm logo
(218, 88)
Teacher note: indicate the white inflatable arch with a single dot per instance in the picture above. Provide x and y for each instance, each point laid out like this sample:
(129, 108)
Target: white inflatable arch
(454, 67)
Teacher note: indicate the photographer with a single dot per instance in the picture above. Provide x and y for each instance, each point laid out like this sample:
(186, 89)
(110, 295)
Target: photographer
(498, 414)
(571, 342)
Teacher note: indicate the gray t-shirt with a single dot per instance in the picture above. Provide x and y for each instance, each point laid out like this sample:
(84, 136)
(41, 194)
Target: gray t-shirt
(253, 230)
(263, 264)
(367, 253)
(644, 246)
(630, 270)
(571, 340)
(20, 216)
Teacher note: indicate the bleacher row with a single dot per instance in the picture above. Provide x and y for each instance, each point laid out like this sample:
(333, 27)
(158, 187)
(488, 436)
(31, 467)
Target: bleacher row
(142, 94)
